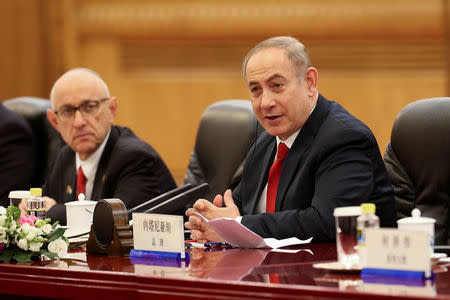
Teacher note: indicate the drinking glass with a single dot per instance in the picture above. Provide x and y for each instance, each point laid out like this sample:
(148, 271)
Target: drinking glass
(346, 235)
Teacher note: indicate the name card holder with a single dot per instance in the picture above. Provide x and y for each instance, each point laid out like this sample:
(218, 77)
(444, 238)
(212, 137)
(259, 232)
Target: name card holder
(397, 254)
(160, 262)
(158, 237)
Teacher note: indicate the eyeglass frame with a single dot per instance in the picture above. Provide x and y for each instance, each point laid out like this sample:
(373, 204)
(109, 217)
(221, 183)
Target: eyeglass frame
(75, 108)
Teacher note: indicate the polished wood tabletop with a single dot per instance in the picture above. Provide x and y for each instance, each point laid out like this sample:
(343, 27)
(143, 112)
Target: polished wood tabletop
(224, 274)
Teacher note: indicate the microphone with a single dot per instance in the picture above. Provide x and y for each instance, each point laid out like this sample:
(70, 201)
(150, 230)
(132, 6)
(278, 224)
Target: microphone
(159, 199)
(180, 201)
(169, 203)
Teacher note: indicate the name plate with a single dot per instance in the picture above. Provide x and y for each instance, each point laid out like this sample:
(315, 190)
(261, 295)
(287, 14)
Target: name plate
(159, 233)
(398, 253)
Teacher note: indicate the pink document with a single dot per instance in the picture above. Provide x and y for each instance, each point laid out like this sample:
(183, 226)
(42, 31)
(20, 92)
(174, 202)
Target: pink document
(237, 235)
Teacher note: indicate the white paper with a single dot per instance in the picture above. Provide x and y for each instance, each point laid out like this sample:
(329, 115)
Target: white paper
(237, 235)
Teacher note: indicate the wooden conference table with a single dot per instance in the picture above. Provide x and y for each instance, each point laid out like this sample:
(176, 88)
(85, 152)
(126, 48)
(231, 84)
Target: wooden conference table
(225, 274)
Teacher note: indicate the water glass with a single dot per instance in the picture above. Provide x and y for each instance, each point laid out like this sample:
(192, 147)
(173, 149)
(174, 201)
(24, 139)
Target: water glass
(346, 235)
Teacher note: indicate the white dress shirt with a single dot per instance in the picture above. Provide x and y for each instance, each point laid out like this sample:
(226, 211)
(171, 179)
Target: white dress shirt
(261, 205)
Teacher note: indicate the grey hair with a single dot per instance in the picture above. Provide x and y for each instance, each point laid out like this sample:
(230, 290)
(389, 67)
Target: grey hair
(295, 51)
(52, 92)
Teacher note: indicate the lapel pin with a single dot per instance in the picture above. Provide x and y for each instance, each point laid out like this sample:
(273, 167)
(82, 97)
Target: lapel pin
(69, 190)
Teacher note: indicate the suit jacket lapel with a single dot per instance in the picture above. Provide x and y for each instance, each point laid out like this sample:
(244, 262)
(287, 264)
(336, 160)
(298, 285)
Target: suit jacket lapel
(265, 152)
(70, 185)
(101, 173)
(301, 145)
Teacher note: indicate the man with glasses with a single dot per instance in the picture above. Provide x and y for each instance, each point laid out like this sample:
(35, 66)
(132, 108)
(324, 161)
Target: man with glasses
(101, 160)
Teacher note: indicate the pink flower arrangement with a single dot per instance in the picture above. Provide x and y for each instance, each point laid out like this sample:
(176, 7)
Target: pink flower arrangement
(30, 219)
(25, 238)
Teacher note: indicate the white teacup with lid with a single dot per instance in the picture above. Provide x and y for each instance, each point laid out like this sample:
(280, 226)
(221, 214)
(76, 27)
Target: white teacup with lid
(79, 216)
(15, 197)
(418, 223)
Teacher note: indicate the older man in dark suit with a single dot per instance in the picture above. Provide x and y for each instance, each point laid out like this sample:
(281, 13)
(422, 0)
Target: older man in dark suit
(16, 154)
(313, 157)
(100, 160)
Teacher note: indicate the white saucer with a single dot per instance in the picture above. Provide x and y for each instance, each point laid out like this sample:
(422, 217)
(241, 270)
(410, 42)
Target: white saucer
(444, 260)
(437, 256)
(337, 266)
(68, 233)
(79, 239)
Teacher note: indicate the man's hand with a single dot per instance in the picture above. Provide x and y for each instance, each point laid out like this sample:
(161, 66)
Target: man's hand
(200, 230)
(210, 211)
(49, 202)
(23, 206)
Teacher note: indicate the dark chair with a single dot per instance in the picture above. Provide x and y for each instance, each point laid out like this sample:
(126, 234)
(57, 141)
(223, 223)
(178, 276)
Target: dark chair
(226, 130)
(418, 162)
(46, 139)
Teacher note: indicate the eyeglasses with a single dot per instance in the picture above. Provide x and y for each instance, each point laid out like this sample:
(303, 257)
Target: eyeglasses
(87, 108)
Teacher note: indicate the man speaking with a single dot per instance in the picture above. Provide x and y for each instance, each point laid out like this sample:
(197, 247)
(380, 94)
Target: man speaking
(313, 156)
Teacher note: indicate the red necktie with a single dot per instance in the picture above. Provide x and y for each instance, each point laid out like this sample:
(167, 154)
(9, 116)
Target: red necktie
(81, 182)
(274, 177)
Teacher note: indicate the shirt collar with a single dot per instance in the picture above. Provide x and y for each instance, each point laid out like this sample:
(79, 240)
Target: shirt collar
(291, 139)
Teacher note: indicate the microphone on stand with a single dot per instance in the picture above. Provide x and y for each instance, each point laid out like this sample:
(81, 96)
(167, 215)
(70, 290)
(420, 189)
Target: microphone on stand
(179, 203)
(152, 202)
(111, 232)
(159, 199)
(182, 201)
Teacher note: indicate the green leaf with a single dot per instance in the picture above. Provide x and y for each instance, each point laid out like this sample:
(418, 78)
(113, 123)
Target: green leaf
(13, 211)
(23, 256)
(39, 239)
(49, 254)
(55, 234)
(54, 224)
(40, 223)
(6, 255)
